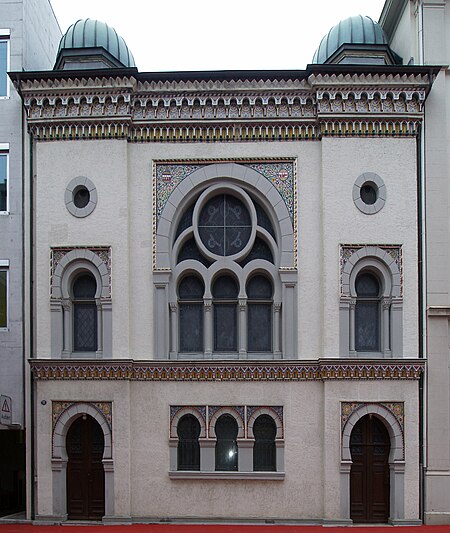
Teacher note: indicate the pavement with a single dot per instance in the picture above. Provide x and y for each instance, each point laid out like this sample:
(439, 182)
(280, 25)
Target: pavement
(69, 527)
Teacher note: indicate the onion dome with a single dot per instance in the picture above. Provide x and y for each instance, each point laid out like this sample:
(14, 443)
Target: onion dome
(90, 44)
(357, 40)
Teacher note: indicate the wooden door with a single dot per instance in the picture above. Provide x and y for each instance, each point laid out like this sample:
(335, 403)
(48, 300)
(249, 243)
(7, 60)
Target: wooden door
(85, 474)
(369, 476)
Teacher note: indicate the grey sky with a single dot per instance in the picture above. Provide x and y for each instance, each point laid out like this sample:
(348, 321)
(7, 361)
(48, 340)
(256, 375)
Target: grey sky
(212, 35)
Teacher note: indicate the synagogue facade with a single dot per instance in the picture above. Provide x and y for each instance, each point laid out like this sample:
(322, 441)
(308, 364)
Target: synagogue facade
(225, 287)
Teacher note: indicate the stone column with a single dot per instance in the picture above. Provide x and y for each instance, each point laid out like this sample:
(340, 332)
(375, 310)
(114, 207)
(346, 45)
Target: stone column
(208, 333)
(386, 306)
(276, 330)
(174, 346)
(243, 328)
(99, 352)
(352, 330)
(67, 312)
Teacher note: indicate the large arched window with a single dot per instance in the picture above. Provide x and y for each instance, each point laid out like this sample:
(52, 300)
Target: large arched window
(225, 293)
(264, 450)
(230, 238)
(367, 313)
(190, 301)
(259, 315)
(84, 313)
(226, 446)
(188, 430)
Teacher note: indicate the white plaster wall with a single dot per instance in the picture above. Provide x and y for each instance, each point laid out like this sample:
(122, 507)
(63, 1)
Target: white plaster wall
(394, 160)
(141, 452)
(105, 164)
(327, 216)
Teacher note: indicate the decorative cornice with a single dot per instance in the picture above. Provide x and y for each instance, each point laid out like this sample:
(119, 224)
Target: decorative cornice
(224, 110)
(322, 370)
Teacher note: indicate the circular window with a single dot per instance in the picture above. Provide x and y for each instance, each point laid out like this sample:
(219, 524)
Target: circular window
(224, 221)
(369, 193)
(224, 225)
(80, 197)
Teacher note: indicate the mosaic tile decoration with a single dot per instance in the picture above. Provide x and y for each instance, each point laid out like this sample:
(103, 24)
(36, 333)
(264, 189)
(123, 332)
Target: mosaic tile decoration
(396, 408)
(277, 409)
(169, 174)
(394, 250)
(60, 407)
(174, 409)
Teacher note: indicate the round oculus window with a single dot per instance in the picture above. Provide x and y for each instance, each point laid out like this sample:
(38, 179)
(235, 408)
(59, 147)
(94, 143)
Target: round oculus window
(81, 197)
(369, 193)
(224, 225)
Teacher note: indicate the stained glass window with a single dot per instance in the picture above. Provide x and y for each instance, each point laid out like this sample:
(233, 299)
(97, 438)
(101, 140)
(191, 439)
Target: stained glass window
(259, 317)
(226, 445)
(190, 294)
(224, 225)
(225, 292)
(188, 430)
(367, 313)
(84, 314)
(264, 451)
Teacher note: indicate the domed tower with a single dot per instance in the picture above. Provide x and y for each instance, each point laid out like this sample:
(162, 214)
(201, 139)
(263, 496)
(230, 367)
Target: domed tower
(356, 40)
(91, 44)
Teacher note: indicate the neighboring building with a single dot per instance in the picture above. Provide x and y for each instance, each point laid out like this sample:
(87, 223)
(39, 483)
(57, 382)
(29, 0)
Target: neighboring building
(419, 31)
(29, 36)
(225, 285)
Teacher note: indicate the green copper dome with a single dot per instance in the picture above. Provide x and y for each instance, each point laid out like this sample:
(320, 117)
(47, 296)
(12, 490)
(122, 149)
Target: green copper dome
(88, 35)
(358, 30)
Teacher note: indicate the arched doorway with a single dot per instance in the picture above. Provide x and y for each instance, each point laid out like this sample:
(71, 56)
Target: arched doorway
(85, 473)
(369, 475)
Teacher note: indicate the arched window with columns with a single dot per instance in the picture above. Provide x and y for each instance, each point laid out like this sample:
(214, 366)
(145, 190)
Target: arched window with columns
(371, 305)
(80, 304)
(237, 241)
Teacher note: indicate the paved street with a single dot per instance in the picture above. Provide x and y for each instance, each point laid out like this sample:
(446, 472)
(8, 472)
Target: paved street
(210, 528)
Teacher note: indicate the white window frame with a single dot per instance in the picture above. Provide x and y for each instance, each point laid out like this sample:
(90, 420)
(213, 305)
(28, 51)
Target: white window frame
(5, 37)
(4, 267)
(4, 150)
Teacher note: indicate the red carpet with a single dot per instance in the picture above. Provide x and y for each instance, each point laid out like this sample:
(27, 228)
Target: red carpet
(210, 528)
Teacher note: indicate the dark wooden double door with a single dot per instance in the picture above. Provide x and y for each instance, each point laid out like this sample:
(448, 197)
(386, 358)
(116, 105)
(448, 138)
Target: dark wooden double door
(369, 476)
(85, 473)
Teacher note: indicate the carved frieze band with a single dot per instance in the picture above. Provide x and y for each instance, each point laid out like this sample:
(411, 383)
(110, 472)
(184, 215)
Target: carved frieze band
(134, 371)
(225, 110)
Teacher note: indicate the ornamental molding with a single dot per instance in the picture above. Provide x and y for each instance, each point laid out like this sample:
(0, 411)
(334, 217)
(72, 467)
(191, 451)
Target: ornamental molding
(131, 370)
(224, 110)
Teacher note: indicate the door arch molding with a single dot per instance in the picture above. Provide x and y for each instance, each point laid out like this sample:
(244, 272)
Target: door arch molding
(396, 460)
(59, 456)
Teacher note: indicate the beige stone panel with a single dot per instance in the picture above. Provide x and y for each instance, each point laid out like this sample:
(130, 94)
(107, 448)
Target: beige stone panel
(312, 446)
(394, 160)
(105, 164)
(298, 496)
